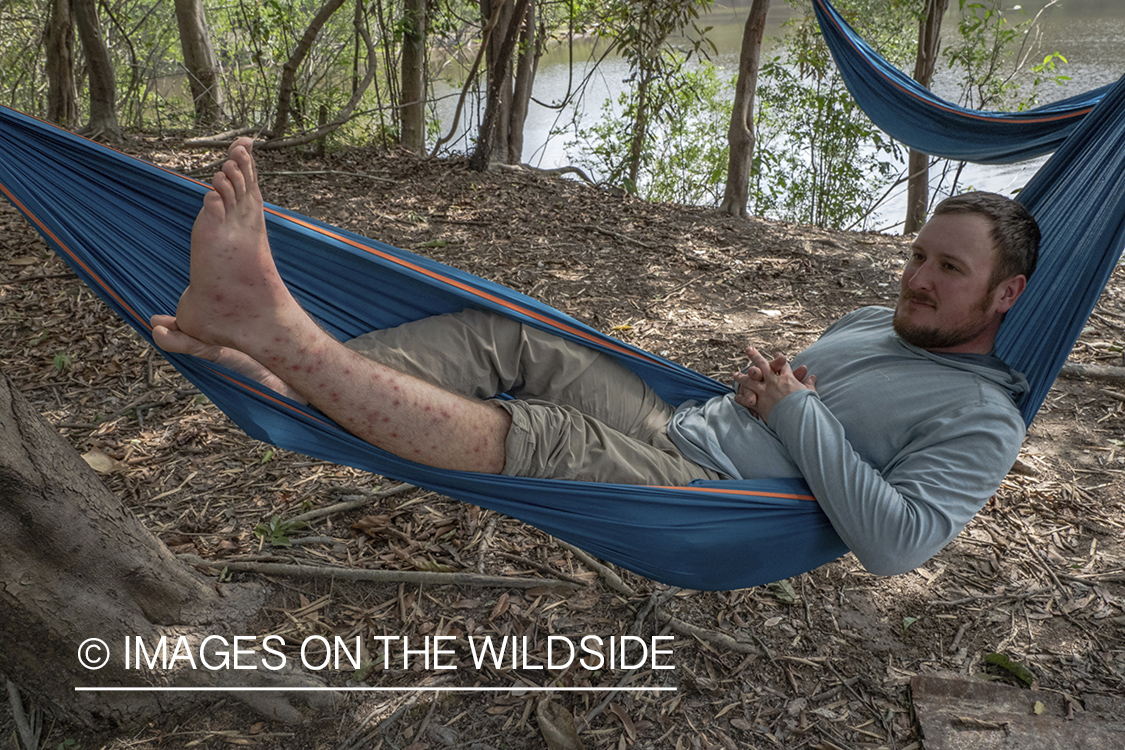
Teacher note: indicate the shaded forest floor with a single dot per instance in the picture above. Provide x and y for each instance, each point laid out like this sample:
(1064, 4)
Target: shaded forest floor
(822, 663)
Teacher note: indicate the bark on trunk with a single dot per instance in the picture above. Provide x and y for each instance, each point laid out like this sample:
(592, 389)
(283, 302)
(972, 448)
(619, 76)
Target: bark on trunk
(413, 107)
(204, 71)
(103, 89)
(486, 35)
(740, 136)
(75, 565)
(527, 64)
(639, 132)
(496, 64)
(293, 64)
(498, 104)
(918, 164)
(62, 91)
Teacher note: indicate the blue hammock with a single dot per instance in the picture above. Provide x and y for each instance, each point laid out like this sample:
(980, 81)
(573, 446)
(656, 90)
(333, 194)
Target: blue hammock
(124, 226)
(909, 112)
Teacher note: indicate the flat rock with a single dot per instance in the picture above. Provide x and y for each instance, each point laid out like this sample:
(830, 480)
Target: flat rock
(964, 714)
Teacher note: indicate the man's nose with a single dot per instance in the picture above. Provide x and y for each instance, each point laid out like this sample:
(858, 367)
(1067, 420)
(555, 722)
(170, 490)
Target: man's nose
(921, 278)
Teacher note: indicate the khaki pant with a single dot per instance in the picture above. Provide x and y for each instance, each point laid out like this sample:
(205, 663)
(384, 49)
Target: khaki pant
(576, 413)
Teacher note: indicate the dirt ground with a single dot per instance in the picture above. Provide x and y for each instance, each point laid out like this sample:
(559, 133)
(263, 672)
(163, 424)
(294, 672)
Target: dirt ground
(823, 662)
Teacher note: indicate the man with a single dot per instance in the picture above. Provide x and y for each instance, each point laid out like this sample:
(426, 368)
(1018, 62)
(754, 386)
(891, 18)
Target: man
(903, 423)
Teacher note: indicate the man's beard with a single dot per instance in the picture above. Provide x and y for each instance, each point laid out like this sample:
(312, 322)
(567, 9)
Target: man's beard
(936, 338)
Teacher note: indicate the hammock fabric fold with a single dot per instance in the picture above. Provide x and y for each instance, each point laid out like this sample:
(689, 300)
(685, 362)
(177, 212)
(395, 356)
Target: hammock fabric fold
(911, 113)
(124, 226)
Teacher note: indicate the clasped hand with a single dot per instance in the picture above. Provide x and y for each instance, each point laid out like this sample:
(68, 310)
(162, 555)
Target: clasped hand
(762, 385)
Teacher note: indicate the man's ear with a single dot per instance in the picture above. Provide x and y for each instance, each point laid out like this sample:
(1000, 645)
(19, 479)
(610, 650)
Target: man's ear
(1008, 291)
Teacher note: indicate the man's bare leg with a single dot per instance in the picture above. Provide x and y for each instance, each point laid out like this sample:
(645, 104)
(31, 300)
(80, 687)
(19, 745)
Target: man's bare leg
(237, 301)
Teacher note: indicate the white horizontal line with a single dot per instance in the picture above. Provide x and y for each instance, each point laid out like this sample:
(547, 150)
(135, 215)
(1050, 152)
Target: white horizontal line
(367, 689)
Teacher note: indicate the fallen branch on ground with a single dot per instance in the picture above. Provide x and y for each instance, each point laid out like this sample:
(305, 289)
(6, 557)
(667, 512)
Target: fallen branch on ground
(554, 172)
(611, 578)
(715, 638)
(1105, 373)
(547, 569)
(719, 640)
(222, 140)
(376, 576)
(312, 172)
(365, 498)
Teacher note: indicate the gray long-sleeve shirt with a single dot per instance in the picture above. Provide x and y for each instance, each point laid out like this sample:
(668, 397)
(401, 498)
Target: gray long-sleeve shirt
(900, 446)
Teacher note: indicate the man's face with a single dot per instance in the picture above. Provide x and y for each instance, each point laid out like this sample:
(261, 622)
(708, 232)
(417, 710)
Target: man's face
(945, 303)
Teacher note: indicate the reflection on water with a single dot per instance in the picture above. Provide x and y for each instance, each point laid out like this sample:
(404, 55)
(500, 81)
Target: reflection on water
(1090, 44)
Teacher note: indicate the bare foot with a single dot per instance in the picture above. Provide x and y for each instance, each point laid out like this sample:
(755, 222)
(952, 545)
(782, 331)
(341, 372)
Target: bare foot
(169, 337)
(235, 294)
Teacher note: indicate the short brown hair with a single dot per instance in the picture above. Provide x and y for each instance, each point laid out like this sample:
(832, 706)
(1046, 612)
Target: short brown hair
(1015, 233)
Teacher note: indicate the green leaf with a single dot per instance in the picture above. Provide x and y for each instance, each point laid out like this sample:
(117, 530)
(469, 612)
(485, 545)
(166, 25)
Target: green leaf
(1021, 672)
(433, 566)
(784, 591)
(276, 531)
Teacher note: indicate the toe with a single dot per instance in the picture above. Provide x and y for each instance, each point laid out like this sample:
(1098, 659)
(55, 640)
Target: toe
(233, 171)
(177, 342)
(244, 142)
(242, 157)
(223, 198)
(165, 321)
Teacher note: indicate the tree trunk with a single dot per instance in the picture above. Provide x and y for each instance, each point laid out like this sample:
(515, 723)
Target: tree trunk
(639, 132)
(289, 70)
(62, 91)
(413, 107)
(499, 76)
(495, 64)
(741, 132)
(203, 69)
(526, 66)
(918, 164)
(76, 565)
(103, 89)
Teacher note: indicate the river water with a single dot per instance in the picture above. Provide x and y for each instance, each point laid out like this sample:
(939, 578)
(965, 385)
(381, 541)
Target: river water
(1090, 42)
